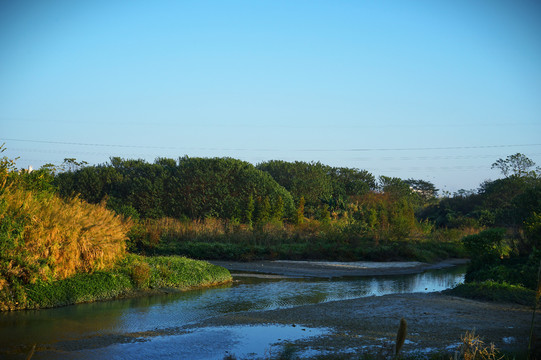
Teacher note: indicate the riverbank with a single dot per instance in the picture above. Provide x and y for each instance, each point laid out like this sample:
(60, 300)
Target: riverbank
(132, 276)
(329, 269)
(436, 323)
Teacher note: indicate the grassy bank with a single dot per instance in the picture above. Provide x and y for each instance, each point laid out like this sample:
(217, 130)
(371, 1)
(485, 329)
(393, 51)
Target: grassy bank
(318, 250)
(130, 276)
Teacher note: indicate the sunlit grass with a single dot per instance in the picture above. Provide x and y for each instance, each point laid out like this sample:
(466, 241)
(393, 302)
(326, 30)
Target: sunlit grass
(45, 237)
(226, 240)
(127, 278)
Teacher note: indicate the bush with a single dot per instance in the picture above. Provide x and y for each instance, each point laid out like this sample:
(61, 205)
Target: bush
(486, 248)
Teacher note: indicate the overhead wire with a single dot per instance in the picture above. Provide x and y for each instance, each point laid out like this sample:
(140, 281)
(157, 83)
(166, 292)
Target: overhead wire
(252, 149)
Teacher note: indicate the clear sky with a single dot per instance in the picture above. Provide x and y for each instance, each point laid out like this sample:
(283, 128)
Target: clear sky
(432, 90)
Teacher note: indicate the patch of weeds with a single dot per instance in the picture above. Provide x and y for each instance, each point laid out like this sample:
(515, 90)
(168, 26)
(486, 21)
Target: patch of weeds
(140, 274)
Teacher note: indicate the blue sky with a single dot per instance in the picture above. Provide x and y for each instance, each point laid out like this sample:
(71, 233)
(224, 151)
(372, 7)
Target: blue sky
(432, 90)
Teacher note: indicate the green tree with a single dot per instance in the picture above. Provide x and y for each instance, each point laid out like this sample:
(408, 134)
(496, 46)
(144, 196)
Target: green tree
(311, 180)
(351, 182)
(263, 210)
(192, 187)
(324, 214)
(71, 164)
(532, 229)
(424, 189)
(514, 165)
(395, 187)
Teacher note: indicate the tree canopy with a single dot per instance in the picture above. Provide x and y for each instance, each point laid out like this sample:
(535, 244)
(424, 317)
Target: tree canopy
(517, 165)
(189, 187)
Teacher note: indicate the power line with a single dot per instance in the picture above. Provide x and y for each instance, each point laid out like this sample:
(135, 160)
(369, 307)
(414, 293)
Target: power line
(299, 150)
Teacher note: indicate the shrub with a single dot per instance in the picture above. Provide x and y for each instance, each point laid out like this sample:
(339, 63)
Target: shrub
(487, 247)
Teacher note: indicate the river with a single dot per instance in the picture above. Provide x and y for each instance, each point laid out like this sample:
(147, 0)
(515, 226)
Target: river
(165, 326)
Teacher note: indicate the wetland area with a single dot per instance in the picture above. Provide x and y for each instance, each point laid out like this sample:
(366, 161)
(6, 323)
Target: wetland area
(313, 306)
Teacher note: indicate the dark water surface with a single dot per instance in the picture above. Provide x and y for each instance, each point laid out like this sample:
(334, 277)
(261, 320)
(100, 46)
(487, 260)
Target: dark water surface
(158, 327)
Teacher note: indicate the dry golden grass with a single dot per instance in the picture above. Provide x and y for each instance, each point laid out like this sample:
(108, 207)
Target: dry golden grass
(473, 348)
(60, 237)
(169, 227)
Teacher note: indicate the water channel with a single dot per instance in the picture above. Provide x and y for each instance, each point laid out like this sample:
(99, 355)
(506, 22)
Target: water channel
(162, 326)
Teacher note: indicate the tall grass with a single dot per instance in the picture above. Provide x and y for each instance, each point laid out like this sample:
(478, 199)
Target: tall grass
(44, 238)
(334, 240)
(52, 238)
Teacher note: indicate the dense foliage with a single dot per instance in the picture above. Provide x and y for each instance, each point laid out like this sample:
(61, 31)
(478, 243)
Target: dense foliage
(319, 185)
(194, 188)
(508, 250)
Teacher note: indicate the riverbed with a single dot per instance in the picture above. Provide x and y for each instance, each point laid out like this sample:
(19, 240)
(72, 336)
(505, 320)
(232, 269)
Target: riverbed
(260, 312)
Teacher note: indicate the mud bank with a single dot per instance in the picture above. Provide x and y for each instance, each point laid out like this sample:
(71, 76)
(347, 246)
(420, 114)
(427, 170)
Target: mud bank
(323, 269)
(436, 322)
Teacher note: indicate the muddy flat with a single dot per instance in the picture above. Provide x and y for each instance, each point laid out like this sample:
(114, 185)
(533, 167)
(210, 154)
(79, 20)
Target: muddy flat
(435, 322)
(329, 269)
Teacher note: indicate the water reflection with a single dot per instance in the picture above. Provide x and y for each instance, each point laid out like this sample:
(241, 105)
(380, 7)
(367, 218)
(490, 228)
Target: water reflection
(20, 330)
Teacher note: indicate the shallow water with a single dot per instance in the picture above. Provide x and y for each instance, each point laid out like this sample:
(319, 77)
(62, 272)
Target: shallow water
(156, 326)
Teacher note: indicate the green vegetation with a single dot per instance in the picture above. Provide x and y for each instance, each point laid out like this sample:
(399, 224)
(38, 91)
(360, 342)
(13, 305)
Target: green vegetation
(194, 188)
(222, 208)
(134, 273)
(58, 251)
(506, 255)
(219, 239)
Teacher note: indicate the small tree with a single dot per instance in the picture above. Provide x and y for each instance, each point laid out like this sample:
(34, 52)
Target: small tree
(71, 164)
(517, 165)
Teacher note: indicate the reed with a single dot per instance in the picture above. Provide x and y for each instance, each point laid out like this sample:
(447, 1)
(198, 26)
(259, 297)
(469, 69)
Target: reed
(401, 336)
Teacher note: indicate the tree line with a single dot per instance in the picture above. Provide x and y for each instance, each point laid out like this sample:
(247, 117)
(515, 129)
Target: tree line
(227, 188)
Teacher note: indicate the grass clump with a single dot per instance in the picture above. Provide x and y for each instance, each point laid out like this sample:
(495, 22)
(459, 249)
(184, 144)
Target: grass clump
(79, 288)
(171, 272)
(473, 348)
